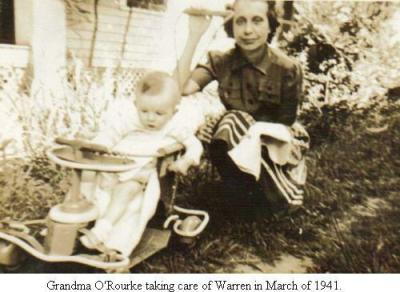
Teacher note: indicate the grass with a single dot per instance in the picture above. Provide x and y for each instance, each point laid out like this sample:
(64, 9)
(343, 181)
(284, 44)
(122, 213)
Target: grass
(348, 165)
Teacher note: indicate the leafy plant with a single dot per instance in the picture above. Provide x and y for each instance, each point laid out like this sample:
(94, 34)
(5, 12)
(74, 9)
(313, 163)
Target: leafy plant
(29, 183)
(345, 49)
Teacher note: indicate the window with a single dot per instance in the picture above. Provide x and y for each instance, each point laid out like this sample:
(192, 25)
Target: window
(156, 5)
(7, 29)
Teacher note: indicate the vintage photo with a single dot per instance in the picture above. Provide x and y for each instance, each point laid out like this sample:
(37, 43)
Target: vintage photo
(199, 136)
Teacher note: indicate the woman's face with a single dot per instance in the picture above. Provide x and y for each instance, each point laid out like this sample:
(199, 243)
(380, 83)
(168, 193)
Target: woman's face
(250, 24)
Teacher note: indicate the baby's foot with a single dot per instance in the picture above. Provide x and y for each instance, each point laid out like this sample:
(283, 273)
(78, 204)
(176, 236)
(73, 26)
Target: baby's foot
(97, 235)
(89, 240)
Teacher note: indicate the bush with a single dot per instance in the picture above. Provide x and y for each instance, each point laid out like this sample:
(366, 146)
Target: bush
(345, 48)
(30, 187)
(29, 183)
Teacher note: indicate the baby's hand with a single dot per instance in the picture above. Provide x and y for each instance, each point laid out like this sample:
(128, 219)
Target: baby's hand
(181, 166)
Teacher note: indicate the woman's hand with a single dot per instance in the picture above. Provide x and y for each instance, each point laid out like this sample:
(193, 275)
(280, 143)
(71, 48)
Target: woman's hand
(198, 25)
(206, 132)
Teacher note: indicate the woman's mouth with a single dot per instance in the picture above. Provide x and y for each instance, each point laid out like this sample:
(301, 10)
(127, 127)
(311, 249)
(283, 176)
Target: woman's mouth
(249, 41)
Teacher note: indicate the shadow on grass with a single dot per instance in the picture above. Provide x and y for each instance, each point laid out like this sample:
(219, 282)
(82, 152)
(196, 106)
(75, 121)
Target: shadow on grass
(344, 171)
(353, 166)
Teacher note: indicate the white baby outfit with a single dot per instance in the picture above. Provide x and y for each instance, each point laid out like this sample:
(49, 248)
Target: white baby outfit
(127, 135)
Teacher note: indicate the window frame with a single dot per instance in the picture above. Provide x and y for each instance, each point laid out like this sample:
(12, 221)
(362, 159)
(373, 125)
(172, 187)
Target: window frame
(148, 7)
(9, 36)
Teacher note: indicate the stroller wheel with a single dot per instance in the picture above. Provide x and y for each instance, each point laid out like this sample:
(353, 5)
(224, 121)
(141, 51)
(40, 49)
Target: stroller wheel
(11, 269)
(16, 265)
(124, 270)
(11, 256)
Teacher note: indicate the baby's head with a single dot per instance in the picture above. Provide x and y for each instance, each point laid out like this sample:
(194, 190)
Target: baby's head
(157, 95)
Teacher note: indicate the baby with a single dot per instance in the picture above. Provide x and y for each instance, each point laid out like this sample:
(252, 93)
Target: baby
(153, 124)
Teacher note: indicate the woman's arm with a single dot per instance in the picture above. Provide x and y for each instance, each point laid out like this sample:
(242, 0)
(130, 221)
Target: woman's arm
(198, 25)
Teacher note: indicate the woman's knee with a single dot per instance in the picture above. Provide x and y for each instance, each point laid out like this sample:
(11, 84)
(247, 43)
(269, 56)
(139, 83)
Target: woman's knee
(218, 151)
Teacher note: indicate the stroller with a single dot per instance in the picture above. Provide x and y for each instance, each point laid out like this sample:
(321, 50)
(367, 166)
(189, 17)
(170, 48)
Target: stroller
(54, 239)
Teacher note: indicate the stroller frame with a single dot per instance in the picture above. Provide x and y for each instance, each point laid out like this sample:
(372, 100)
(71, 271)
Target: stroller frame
(16, 236)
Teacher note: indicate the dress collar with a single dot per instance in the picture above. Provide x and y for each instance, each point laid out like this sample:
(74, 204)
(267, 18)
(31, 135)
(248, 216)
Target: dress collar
(240, 61)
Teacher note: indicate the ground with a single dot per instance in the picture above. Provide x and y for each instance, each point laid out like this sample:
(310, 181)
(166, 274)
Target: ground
(349, 222)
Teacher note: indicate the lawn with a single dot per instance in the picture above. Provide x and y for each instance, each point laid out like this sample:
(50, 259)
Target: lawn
(349, 222)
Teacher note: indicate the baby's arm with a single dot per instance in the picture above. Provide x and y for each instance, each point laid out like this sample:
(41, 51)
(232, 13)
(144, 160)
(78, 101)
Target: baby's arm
(108, 137)
(191, 157)
(189, 117)
(119, 120)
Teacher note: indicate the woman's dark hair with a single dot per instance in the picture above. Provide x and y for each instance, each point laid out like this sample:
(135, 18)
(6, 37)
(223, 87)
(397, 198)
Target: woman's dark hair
(272, 20)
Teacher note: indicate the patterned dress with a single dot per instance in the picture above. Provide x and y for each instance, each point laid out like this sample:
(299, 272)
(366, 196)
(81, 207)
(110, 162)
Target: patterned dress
(269, 91)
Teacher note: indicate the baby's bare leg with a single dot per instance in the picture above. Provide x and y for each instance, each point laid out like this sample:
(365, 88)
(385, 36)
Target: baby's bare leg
(123, 195)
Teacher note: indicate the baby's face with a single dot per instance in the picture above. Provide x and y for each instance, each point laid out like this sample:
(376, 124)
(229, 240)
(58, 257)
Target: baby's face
(155, 111)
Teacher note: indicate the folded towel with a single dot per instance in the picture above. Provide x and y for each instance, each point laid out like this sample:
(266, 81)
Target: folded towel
(247, 154)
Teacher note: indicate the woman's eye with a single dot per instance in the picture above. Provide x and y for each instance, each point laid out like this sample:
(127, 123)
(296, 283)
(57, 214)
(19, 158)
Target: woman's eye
(159, 113)
(240, 21)
(258, 20)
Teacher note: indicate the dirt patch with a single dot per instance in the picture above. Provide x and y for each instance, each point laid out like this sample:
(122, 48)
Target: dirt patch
(369, 208)
(285, 264)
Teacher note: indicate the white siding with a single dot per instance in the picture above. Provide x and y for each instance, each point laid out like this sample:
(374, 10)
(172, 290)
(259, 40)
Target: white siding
(14, 61)
(14, 56)
(141, 42)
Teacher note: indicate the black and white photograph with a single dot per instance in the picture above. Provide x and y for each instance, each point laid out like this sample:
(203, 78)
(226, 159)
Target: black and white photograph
(199, 136)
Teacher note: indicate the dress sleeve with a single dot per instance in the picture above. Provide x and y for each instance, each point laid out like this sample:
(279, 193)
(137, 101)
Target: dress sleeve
(205, 73)
(292, 89)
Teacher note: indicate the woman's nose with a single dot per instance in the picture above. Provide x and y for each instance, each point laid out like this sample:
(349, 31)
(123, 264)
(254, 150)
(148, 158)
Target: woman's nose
(248, 28)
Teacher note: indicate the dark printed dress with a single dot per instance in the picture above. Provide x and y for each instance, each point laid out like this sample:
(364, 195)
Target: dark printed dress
(267, 92)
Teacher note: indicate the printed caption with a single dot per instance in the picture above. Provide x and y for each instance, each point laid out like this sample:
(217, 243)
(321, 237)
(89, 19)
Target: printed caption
(211, 285)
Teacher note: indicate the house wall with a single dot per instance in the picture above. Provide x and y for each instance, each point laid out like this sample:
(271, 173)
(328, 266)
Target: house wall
(48, 46)
(23, 10)
(15, 58)
(118, 41)
(13, 63)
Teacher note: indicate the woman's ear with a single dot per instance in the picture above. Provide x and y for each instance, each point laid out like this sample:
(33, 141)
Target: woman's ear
(272, 20)
(228, 25)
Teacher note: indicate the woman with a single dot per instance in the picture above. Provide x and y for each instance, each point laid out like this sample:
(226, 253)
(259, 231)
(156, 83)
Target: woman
(256, 83)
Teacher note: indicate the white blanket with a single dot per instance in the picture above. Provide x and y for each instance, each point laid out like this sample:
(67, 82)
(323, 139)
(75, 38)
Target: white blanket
(247, 154)
(127, 232)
